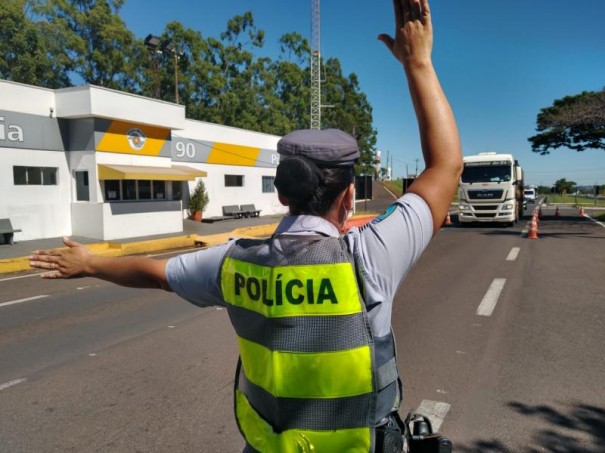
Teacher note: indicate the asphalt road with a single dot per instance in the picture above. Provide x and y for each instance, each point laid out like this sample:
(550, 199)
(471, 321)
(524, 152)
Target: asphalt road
(94, 367)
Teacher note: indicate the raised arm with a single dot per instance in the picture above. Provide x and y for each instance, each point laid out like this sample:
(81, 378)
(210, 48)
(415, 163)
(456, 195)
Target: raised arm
(77, 261)
(412, 46)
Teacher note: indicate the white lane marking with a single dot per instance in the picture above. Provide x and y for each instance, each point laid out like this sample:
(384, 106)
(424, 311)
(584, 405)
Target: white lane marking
(435, 411)
(595, 220)
(390, 192)
(514, 252)
(20, 276)
(11, 383)
(487, 305)
(27, 299)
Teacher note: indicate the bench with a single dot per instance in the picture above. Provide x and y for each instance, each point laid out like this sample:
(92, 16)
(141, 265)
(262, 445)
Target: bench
(229, 212)
(232, 211)
(7, 230)
(248, 210)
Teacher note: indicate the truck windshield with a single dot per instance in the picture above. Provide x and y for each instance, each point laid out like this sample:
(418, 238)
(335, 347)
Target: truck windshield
(495, 171)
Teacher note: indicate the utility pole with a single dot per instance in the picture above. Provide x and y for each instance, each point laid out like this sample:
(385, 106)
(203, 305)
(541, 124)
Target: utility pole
(315, 65)
(169, 47)
(157, 48)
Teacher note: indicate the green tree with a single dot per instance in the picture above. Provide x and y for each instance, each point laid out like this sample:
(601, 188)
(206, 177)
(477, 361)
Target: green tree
(101, 49)
(291, 84)
(350, 112)
(219, 80)
(563, 186)
(193, 71)
(234, 81)
(26, 55)
(542, 190)
(575, 122)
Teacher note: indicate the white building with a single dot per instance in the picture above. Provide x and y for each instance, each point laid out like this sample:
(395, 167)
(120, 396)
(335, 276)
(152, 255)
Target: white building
(99, 163)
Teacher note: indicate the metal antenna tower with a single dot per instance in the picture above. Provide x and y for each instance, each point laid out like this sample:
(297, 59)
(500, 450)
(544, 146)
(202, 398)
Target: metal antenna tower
(315, 65)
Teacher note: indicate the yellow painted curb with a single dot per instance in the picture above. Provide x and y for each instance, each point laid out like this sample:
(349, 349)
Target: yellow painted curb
(112, 249)
(9, 265)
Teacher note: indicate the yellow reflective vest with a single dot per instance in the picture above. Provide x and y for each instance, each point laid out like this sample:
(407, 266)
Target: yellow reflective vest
(312, 376)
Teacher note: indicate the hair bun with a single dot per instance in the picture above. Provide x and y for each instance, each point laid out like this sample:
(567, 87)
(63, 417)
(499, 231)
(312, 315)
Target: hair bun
(297, 178)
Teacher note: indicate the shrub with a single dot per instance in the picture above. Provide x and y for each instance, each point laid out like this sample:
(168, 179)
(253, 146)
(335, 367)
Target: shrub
(199, 198)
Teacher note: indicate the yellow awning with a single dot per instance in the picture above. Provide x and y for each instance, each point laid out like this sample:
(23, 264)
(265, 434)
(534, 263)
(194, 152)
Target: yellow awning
(174, 173)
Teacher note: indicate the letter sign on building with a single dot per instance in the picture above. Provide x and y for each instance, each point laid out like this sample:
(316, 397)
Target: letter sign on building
(10, 132)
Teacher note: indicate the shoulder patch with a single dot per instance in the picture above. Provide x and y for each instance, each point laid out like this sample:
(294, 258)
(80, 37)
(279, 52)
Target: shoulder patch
(385, 214)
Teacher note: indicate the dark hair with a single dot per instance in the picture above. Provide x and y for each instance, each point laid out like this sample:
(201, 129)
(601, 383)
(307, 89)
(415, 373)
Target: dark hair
(308, 188)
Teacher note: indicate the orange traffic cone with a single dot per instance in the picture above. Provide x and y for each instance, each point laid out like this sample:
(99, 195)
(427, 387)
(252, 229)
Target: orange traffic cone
(582, 211)
(533, 229)
(557, 212)
(448, 220)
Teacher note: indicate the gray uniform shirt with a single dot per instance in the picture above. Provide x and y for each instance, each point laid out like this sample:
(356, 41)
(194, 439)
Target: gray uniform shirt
(385, 250)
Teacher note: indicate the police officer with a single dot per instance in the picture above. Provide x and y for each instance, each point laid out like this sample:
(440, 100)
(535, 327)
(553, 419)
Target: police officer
(312, 307)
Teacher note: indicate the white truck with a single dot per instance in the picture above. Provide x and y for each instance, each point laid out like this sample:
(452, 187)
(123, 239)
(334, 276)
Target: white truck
(490, 189)
(529, 195)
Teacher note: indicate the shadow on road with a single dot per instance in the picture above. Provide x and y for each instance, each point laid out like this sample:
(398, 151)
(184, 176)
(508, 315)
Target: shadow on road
(581, 429)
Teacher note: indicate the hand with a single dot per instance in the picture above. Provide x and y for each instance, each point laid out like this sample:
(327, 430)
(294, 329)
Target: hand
(65, 263)
(413, 42)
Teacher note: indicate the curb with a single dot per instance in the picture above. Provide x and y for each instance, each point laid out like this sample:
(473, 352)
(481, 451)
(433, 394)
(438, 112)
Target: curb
(114, 249)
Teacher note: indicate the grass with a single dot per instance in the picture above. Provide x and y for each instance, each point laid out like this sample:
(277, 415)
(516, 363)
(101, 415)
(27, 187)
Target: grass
(581, 200)
(586, 201)
(394, 186)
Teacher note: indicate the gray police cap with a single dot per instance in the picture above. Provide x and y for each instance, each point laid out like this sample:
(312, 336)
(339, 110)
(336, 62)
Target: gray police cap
(327, 148)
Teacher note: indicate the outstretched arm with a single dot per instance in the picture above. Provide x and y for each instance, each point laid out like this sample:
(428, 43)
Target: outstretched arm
(412, 46)
(77, 261)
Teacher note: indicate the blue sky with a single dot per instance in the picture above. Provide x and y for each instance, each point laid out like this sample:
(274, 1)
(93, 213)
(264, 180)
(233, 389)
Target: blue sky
(499, 62)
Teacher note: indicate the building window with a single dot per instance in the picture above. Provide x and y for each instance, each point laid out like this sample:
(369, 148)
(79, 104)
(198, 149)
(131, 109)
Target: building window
(112, 190)
(159, 190)
(35, 176)
(129, 189)
(144, 190)
(177, 190)
(268, 184)
(132, 190)
(82, 189)
(49, 176)
(234, 180)
(20, 176)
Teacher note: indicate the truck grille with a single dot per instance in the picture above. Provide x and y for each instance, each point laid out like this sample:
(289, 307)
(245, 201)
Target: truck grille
(485, 194)
(485, 207)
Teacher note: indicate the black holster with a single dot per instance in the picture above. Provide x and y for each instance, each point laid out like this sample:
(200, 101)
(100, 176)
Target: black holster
(421, 438)
(390, 435)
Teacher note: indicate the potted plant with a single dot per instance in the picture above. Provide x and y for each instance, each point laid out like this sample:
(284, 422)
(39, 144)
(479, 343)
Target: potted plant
(198, 201)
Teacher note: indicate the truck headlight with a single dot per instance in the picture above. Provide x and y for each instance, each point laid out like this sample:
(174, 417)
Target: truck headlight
(508, 207)
(463, 207)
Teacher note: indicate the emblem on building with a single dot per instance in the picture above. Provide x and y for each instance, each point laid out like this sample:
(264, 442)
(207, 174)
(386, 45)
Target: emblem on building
(136, 138)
